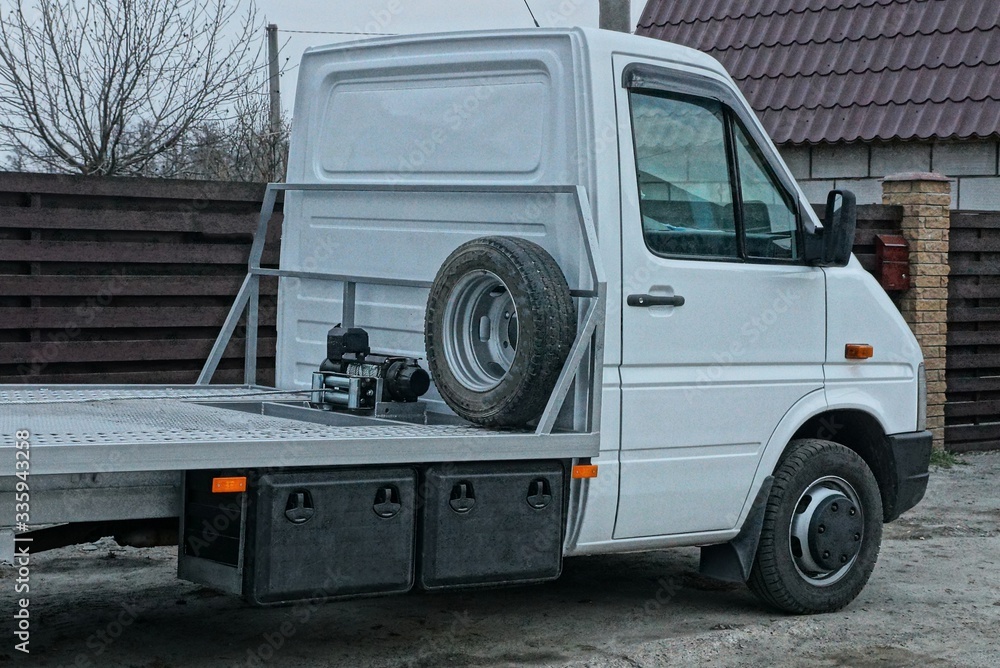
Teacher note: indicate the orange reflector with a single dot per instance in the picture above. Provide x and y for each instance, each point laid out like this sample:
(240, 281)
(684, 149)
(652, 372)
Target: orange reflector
(585, 471)
(229, 485)
(858, 351)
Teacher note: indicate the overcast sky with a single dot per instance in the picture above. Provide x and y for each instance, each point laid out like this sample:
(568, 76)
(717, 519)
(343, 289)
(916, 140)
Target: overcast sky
(409, 16)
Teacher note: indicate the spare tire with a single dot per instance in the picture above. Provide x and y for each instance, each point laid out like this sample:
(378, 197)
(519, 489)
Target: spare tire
(499, 325)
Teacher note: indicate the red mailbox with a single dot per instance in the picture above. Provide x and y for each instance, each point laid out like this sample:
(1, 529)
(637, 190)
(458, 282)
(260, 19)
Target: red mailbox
(892, 262)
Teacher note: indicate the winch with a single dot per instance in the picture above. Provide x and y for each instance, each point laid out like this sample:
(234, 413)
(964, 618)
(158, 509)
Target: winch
(355, 378)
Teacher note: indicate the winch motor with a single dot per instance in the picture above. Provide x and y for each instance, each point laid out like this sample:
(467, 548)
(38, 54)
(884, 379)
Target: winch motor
(354, 378)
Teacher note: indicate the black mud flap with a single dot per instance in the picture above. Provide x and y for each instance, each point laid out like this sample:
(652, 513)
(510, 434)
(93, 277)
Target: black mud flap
(732, 561)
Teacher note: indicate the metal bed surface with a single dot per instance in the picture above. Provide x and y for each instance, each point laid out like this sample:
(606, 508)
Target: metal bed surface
(80, 429)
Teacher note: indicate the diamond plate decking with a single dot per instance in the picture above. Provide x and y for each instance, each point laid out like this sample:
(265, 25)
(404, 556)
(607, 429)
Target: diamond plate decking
(109, 428)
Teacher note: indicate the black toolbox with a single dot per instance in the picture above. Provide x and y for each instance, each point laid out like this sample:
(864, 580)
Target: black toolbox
(491, 523)
(344, 532)
(330, 534)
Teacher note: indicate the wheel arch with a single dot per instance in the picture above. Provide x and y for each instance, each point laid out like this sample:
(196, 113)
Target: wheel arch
(863, 433)
(851, 425)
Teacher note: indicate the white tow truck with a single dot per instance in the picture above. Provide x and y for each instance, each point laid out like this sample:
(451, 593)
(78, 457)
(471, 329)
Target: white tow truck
(542, 293)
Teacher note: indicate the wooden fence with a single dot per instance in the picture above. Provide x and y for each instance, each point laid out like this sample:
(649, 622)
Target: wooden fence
(125, 280)
(972, 414)
(129, 280)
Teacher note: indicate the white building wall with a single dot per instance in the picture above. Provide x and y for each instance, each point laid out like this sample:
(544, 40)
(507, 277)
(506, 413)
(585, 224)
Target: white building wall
(972, 165)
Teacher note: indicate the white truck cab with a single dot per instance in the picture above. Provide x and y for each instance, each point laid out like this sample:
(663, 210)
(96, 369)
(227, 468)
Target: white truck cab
(638, 336)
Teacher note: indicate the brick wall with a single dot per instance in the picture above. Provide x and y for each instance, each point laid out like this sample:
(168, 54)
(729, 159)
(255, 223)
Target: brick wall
(925, 199)
(972, 167)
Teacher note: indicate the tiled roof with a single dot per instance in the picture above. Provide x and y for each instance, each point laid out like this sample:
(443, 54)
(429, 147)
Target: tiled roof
(846, 70)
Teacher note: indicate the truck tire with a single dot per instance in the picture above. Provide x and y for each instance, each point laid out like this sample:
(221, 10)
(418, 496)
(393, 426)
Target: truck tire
(499, 324)
(822, 530)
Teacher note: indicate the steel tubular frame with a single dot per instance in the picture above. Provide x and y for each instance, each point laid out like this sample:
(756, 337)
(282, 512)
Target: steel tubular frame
(578, 364)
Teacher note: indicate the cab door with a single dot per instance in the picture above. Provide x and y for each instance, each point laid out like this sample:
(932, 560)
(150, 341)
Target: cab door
(722, 322)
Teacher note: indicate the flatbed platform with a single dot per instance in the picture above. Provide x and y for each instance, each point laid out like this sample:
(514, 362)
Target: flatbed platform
(120, 428)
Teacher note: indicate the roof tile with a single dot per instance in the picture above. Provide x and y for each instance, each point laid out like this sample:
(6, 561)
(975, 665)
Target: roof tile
(880, 88)
(686, 11)
(977, 47)
(909, 121)
(842, 70)
(897, 17)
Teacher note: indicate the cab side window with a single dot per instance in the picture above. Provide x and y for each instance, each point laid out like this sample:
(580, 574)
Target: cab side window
(769, 219)
(685, 192)
(705, 190)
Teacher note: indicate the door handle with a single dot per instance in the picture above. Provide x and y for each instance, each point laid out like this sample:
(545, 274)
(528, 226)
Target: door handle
(654, 300)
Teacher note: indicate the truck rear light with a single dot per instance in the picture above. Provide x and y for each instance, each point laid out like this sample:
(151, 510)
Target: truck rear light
(921, 397)
(229, 485)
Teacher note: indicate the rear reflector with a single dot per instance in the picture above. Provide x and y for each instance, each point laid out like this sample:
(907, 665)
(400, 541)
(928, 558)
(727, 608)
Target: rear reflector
(858, 351)
(585, 471)
(229, 485)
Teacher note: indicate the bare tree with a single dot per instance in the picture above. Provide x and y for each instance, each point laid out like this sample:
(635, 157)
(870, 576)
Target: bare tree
(241, 148)
(114, 86)
(258, 152)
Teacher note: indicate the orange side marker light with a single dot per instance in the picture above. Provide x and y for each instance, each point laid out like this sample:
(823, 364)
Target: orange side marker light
(858, 351)
(229, 485)
(585, 471)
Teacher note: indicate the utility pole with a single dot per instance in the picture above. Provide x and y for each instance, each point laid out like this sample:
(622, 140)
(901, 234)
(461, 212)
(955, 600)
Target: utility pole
(274, 80)
(616, 15)
(274, 84)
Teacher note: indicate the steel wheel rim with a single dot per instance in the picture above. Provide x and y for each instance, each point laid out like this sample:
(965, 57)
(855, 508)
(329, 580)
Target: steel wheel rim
(480, 331)
(815, 494)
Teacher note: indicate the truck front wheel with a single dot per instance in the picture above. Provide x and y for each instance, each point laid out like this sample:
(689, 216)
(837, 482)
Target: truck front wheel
(822, 530)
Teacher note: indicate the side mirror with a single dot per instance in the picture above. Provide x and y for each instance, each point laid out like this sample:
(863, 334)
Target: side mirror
(832, 245)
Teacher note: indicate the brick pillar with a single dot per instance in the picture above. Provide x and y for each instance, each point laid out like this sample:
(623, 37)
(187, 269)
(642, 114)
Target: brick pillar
(926, 200)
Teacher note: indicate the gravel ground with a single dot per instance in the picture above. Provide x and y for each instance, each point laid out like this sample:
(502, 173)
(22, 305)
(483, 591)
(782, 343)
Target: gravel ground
(934, 600)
